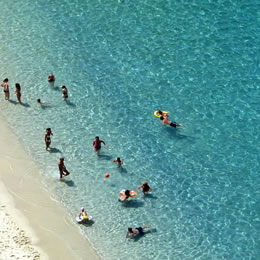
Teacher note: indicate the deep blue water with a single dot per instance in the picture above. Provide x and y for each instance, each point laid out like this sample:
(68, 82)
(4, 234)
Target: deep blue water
(199, 60)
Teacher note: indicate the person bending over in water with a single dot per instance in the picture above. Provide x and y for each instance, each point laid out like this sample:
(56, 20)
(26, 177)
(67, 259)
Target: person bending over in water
(118, 161)
(62, 168)
(6, 88)
(131, 233)
(146, 188)
(48, 138)
(18, 92)
(64, 92)
(97, 144)
(165, 121)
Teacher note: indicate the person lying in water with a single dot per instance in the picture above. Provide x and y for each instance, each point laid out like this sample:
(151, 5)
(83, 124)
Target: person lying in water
(146, 188)
(125, 196)
(165, 121)
(42, 103)
(131, 233)
(165, 115)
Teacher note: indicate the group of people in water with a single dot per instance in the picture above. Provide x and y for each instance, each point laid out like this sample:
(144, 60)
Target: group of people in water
(97, 142)
(7, 92)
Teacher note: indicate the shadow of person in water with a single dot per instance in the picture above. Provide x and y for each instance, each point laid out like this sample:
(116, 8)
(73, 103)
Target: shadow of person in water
(70, 103)
(132, 203)
(25, 104)
(13, 102)
(70, 183)
(175, 133)
(139, 236)
(104, 157)
(150, 196)
(54, 150)
(122, 170)
(89, 224)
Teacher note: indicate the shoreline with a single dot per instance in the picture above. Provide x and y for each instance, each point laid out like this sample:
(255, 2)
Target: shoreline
(45, 223)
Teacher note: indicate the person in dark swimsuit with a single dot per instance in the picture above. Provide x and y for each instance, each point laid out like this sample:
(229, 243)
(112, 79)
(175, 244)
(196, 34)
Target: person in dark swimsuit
(97, 144)
(64, 92)
(48, 138)
(131, 233)
(166, 121)
(6, 88)
(146, 188)
(62, 168)
(18, 92)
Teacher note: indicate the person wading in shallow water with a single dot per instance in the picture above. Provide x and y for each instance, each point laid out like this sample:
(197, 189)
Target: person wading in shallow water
(62, 168)
(6, 88)
(18, 92)
(48, 138)
(97, 144)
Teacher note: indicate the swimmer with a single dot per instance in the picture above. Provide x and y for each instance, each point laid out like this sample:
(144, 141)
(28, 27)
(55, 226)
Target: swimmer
(6, 88)
(42, 103)
(165, 121)
(131, 233)
(48, 138)
(18, 92)
(97, 144)
(119, 162)
(83, 214)
(146, 188)
(62, 168)
(64, 92)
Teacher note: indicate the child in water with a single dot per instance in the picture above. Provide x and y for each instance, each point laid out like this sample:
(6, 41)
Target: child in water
(119, 162)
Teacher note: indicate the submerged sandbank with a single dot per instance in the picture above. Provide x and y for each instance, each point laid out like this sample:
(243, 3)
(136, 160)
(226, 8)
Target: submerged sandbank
(43, 220)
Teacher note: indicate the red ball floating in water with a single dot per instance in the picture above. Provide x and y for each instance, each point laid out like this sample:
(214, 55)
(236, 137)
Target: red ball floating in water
(107, 175)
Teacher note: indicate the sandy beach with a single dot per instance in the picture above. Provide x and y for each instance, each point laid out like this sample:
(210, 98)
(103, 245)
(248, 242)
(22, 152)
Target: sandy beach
(33, 225)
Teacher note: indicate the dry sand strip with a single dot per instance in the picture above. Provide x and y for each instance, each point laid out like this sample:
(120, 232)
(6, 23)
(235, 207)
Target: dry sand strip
(14, 244)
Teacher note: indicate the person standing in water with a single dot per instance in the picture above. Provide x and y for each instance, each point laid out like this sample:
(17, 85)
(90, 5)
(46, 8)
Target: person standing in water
(48, 138)
(146, 188)
(97, 144)
(62, 168)
(18, 92)
(6, 88)
(64, 92)
(51, 80)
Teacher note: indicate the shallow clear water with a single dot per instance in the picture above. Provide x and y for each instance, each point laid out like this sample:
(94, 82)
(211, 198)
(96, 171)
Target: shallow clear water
(121, 61)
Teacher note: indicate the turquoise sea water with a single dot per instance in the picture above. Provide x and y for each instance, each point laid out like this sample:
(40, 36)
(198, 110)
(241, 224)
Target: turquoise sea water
(199, 60)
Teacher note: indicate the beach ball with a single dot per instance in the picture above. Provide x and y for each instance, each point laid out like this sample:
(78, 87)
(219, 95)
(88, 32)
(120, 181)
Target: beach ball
(107, 175)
